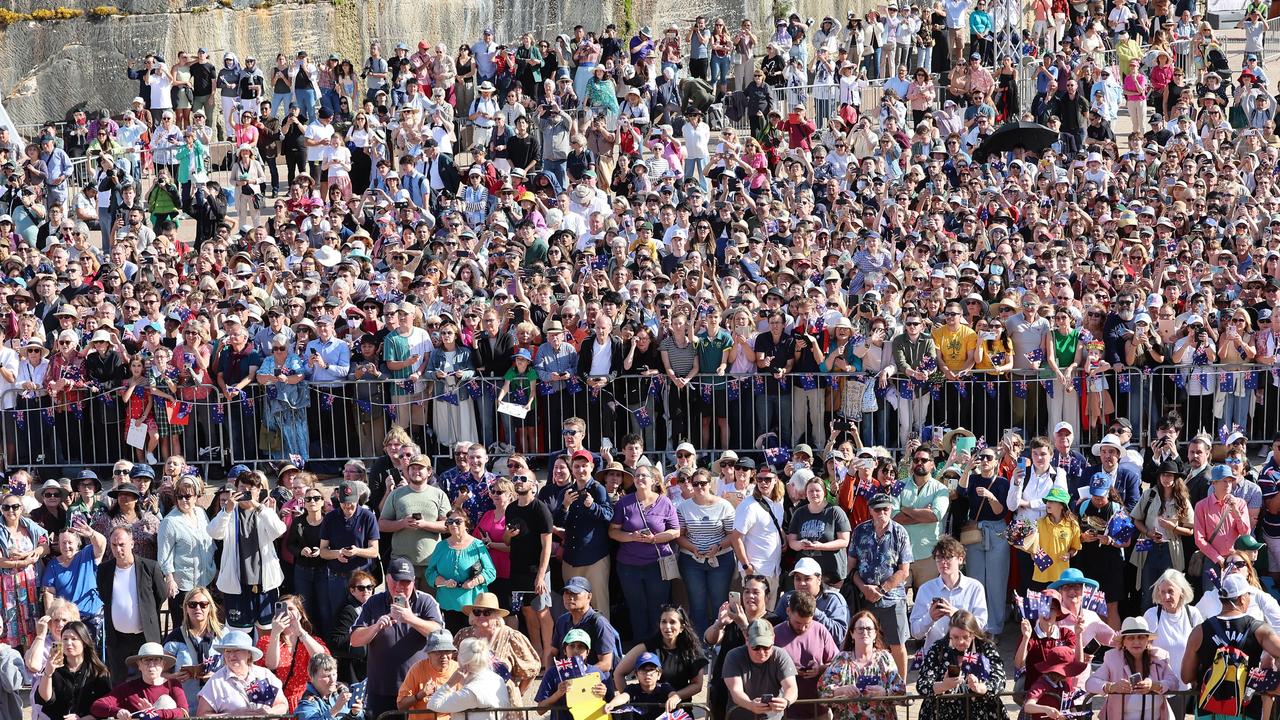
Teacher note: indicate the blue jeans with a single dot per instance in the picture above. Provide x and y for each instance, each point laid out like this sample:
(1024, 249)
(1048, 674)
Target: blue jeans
(280, 103)
(329, 100)
(105, 219)
(1235, 408)
(708, 587)
(646, 591)
(696, 168)
(720, 69)
(312, 584)
(988, 563)
(305, 98)
(1156, 562)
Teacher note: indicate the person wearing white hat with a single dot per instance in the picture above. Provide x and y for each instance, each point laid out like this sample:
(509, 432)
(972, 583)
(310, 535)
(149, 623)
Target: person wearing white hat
(1135, 653)
(1125, 478)
(149, 689)
(224, 693)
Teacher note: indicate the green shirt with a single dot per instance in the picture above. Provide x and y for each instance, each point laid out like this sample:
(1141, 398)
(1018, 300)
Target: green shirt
(711, 350)
(404, 501)
(396, 348)
(934, 496)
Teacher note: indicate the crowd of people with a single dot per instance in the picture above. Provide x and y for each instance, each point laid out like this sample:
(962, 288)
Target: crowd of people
(664, 360)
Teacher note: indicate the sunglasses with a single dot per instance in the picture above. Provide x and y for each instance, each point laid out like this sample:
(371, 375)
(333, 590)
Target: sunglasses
(453, 521)
(362, 588)
(699, 483)
(482, 612)
(197, 604)
(52, 495)
(10, 508)
(188, 496)
(313, 498)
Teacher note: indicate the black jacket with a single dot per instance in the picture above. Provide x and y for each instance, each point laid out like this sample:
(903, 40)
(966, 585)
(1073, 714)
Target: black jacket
(151, 595)
(616, 356)
(493, 359)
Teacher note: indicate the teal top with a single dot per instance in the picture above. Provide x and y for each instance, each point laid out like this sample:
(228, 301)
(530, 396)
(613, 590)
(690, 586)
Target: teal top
(460, 565)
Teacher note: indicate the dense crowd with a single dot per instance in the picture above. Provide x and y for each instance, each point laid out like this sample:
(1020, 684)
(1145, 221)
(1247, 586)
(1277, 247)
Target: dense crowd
(813, 384)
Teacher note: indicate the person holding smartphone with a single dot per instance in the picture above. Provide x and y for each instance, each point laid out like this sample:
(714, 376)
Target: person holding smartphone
(250, 574)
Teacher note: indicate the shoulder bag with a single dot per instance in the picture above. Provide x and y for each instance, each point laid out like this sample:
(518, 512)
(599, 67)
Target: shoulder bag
(667, 564)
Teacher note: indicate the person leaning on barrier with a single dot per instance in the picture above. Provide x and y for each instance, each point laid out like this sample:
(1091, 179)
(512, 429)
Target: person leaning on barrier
(325, 697)
(760, 678)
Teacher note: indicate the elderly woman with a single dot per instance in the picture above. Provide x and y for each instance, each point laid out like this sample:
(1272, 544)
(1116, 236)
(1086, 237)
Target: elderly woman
(71, 577)
(971, 693)
(283, 374)
(459, 568)
(1137, 655)
(65, 383)
(127, 512)
(864, 656)
(1172, 619)
(185, 552)
(452, 364)
(227, 692)
(192, 642)
(326, 698)
(645, 523)
(150, 691)
(474, 685)
(23, 544)
(510, 648)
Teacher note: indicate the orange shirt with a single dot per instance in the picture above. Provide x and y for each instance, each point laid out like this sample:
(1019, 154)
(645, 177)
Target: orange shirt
(423, 676)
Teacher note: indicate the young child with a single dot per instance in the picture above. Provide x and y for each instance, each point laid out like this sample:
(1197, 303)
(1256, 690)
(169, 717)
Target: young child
(518, 384)
(649, 692)
(1051, 695)
(1098, 403)
(1058, 535)
(1043, 637)
(137, 396)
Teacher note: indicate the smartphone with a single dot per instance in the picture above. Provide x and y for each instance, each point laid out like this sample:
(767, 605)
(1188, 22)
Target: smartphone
(245, 496)
(1135, 678)
(766, 698)
(399, 600)
(953, 671)
(735, 599)
(926, 434)
(280, 607)
(416, 516)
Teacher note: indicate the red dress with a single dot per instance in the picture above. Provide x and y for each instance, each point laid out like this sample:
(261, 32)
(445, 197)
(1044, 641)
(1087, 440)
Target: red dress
(292, 669)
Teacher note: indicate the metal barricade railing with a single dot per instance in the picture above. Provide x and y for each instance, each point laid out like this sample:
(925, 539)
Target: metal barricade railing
(528, 712)
(326, 424)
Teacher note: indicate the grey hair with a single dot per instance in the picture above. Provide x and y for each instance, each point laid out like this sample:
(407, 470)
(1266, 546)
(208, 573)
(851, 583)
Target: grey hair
(1178, 581)
(474, 655)
(321, 663)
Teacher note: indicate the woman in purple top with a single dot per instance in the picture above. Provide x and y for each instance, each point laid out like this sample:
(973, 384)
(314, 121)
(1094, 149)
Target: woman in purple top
(644, 524)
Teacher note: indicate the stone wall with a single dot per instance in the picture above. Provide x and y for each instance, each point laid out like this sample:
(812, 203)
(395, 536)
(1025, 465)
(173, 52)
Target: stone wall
(48, 68)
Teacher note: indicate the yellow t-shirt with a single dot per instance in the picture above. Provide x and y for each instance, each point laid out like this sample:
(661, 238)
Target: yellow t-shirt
(1057, 539)
(954, 346)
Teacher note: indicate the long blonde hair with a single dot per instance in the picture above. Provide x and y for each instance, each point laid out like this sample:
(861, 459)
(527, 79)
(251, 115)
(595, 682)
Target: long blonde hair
(197, 593)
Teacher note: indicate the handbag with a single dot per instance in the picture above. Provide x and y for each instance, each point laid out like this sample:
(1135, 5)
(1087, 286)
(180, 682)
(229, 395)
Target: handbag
(1195, 565)
(668, 568)
(970, 534)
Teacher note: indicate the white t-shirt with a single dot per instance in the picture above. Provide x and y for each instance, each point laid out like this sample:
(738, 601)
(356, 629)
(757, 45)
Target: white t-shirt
(9, 361)
(761, 538)
(125, 615)
(1172, 631)
(316, 131)
(160, 85)
(342, 157)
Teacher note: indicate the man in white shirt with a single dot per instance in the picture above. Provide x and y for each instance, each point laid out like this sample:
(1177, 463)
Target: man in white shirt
(938, 598)
(132, 590)
(697, 137)
(318, 135)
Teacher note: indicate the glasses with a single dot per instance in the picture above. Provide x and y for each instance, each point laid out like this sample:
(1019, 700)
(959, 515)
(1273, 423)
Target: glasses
(362, 588)
(699, 483)
(453, 521)
(865, 628)
(921, 459)
(912, 323)
(188, 496)
(313, 498)
(10, 508)
(684, 455)
(986, 458)
(482, 612)
(197, 604)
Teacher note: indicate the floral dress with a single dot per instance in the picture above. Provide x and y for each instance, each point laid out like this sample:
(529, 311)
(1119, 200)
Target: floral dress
(878, 669)
(957, 704)
(18, 596)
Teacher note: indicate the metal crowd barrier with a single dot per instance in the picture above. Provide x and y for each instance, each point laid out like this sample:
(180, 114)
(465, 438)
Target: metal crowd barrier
(754, 414)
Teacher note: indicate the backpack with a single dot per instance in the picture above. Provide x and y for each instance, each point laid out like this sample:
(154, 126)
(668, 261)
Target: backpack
(1222, 689)
(716, 117)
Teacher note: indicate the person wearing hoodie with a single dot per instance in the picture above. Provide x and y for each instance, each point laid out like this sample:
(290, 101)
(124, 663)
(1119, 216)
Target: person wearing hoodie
(228, 84)
(325, 698)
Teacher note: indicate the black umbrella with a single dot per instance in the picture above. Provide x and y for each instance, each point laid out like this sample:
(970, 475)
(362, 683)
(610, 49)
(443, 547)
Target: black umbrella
(1029, 136)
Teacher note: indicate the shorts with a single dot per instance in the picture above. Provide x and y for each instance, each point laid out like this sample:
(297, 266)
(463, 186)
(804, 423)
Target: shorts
(527, 598)
(248, 609)
(1273, 553)
(893, 622)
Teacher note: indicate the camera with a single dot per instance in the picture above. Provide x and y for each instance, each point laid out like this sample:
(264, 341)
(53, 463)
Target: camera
(842, 424)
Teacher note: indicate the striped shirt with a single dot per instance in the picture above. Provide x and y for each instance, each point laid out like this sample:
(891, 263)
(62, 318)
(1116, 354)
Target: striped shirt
(706, 525)
(681, 358)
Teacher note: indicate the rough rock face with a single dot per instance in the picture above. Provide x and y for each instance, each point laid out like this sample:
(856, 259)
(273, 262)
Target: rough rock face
(50, 67)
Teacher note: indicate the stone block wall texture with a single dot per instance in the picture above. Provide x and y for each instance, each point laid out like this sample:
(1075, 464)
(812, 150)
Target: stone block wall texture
(48, 68)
